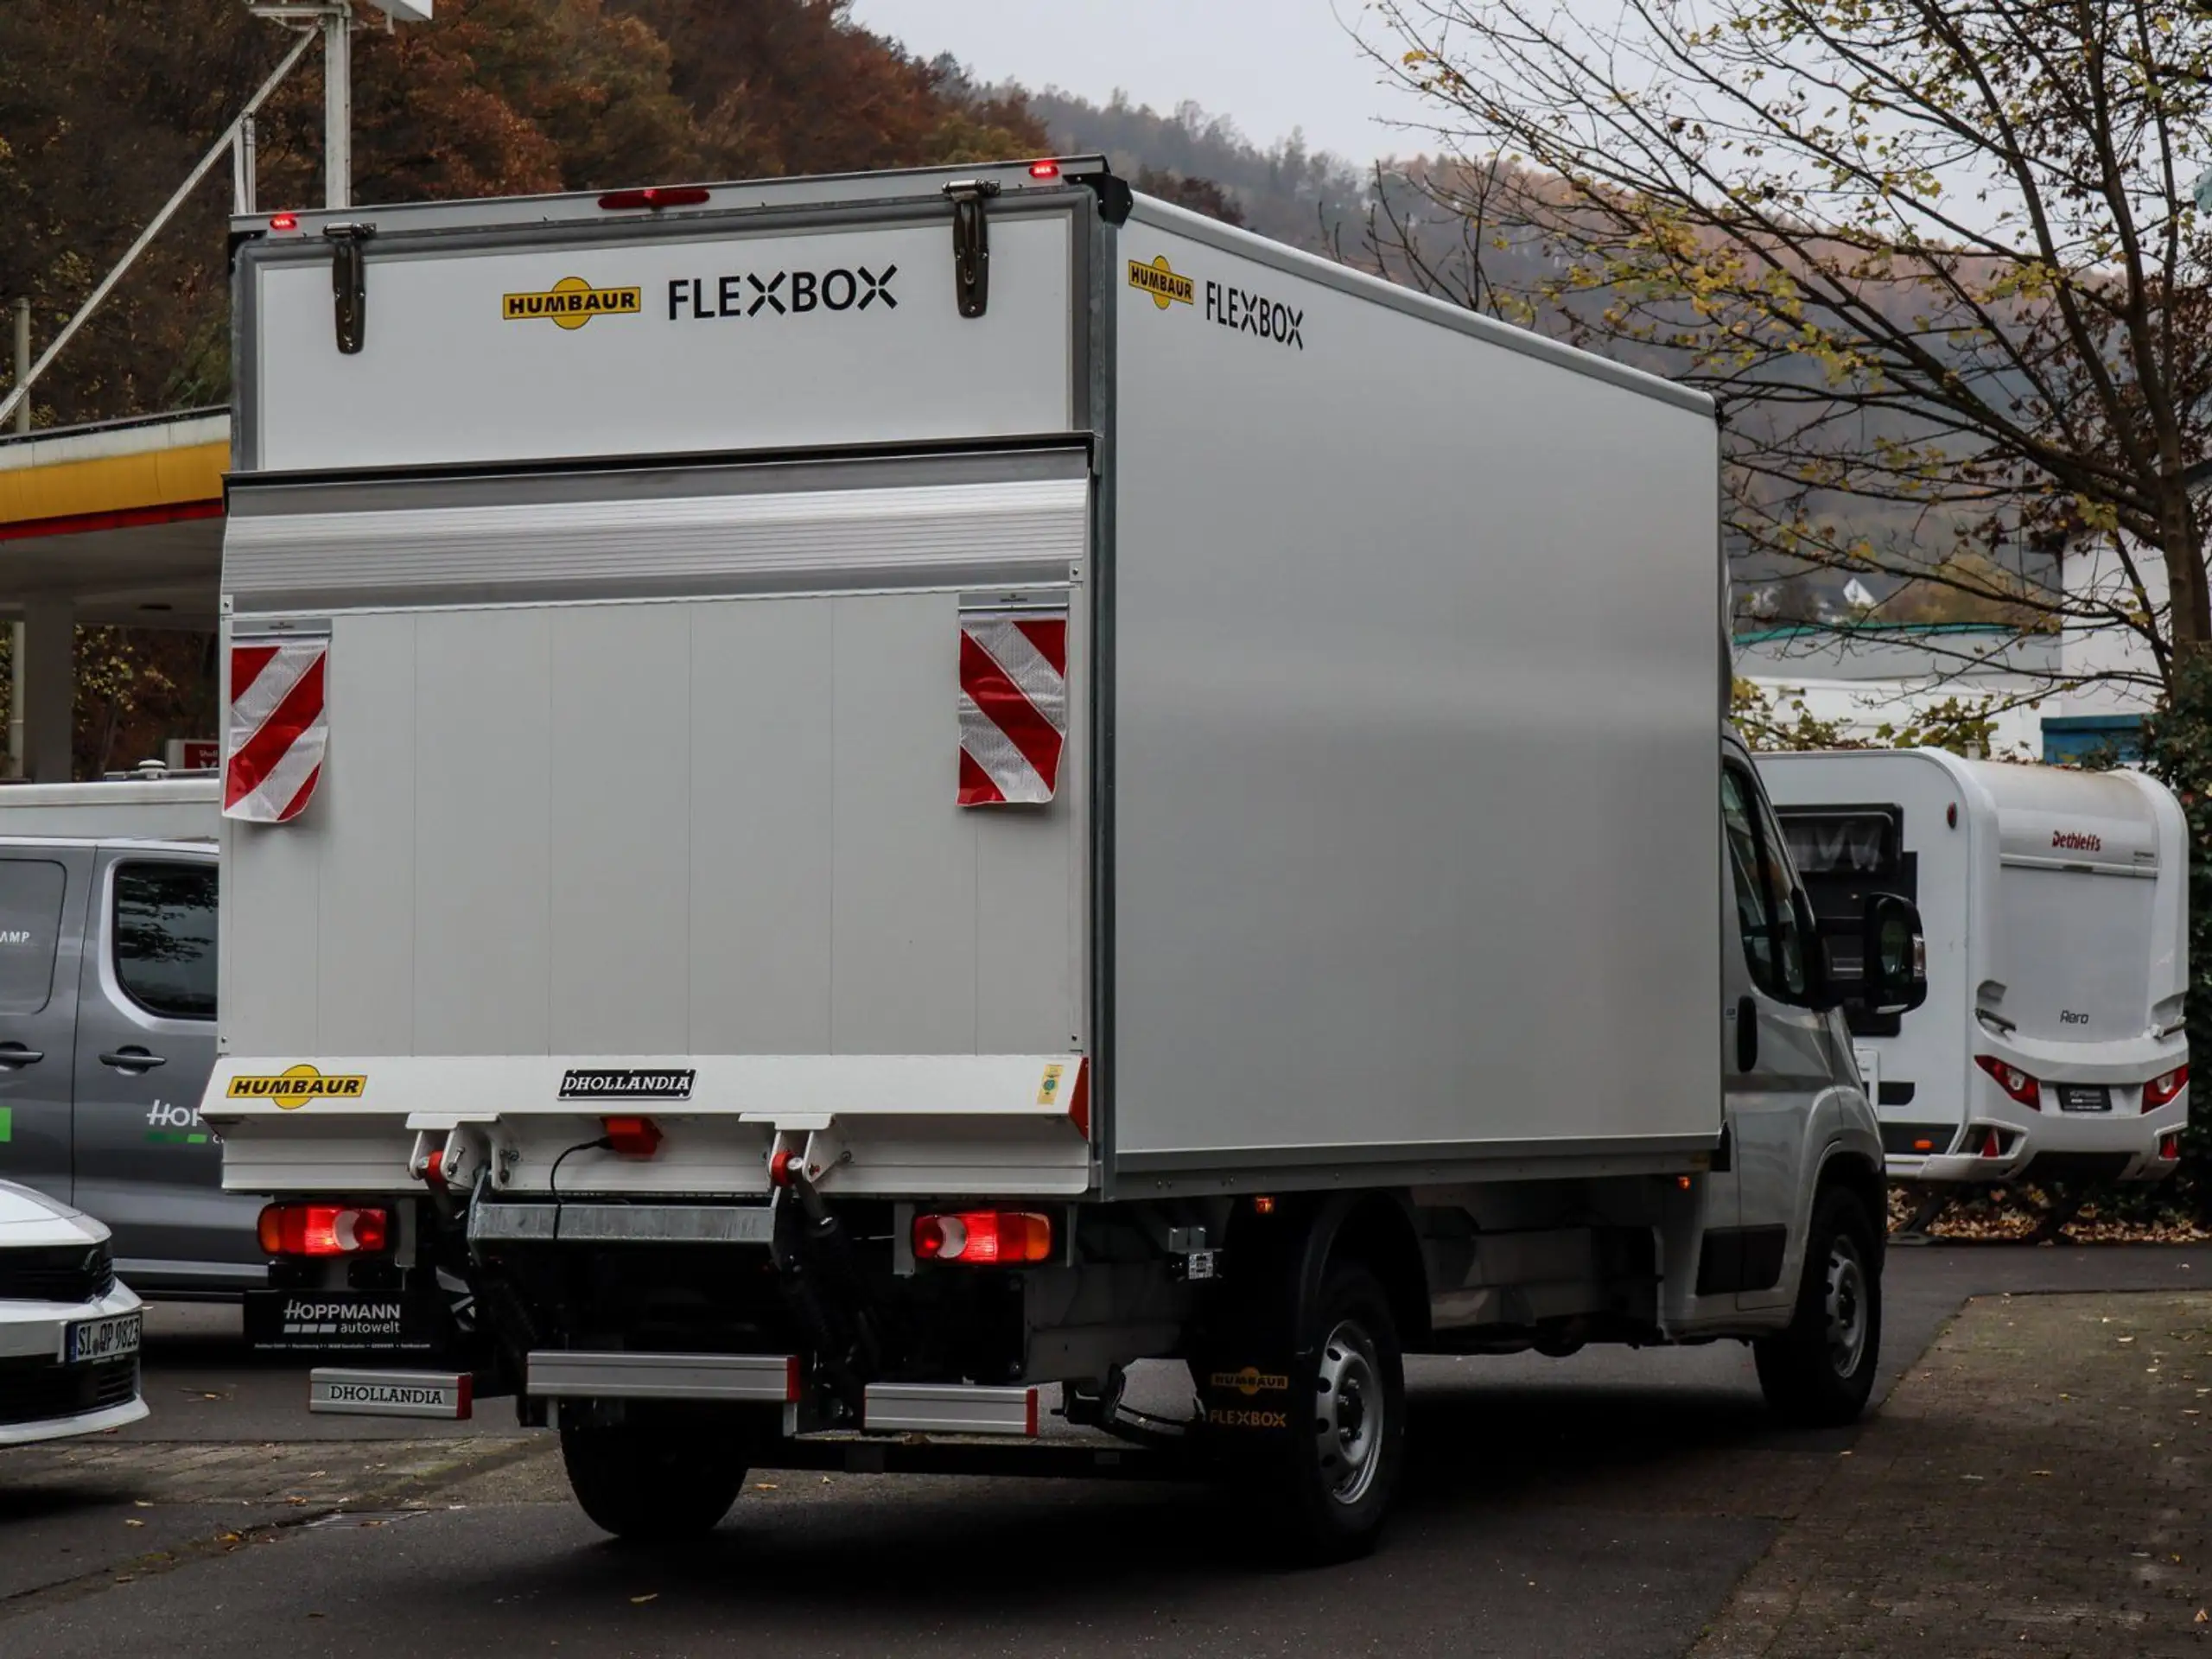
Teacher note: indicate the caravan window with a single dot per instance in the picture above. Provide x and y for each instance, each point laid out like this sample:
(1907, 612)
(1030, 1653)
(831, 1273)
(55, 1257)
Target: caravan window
(1841, 843)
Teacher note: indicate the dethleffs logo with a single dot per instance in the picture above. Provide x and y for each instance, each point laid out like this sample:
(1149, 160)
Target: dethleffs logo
(294, 1086)
(1160, 280)
(572, 303)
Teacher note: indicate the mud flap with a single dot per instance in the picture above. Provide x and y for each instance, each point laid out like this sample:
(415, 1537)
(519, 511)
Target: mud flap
(1247, 1360)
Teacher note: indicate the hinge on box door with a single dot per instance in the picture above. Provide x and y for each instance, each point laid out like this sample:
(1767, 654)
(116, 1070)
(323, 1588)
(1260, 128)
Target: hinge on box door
(349, 282)
(971, 243)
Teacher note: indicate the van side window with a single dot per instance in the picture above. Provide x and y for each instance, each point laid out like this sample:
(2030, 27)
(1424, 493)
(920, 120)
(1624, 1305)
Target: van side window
(30, 925)
(1772, 947)
(165, 937)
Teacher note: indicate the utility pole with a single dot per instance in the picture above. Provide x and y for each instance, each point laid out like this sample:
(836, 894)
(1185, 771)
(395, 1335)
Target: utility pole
(22, 363)
(338, 106)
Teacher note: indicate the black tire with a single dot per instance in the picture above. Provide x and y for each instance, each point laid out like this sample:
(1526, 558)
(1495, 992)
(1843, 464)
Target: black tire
(653, 1480)
(1335, 1477)
(1818, 1371)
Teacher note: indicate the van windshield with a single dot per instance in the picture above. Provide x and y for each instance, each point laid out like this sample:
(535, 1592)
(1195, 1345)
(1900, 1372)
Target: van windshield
(2074, 952)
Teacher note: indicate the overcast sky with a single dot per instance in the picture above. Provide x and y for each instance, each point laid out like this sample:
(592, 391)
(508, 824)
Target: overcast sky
(1271, 65)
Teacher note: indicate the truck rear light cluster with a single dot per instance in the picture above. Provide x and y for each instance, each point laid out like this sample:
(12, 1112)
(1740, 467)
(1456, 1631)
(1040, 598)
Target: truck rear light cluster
(2162, 1090)
(984, 1236)
(323, 1230)
(2013, 1081)
(633, 1137)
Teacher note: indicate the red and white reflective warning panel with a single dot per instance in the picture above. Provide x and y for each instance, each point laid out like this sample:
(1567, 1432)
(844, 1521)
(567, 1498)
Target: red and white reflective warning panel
(1014, 705)
(278, 728)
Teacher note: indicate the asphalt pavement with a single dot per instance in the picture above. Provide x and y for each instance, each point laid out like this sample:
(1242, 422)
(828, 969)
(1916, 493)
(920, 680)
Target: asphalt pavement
(1603, 1504)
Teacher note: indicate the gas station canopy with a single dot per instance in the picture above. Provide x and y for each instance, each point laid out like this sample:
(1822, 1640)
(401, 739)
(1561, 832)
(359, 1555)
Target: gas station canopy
(118, 522)
(123, 522)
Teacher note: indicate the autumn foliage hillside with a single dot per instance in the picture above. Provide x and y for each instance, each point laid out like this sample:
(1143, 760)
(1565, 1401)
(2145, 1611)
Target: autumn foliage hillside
(105, 108)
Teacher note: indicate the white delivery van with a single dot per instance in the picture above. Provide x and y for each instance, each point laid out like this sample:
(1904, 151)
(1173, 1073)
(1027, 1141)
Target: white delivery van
(2057, 901)
(858, 801)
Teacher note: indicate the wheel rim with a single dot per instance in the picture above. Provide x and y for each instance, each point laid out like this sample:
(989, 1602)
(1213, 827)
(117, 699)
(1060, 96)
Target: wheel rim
(1847, 1305)
(1348, 1417)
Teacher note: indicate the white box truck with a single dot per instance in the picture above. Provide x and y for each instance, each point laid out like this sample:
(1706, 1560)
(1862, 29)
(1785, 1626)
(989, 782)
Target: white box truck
(2052, 1046)
(858, 801)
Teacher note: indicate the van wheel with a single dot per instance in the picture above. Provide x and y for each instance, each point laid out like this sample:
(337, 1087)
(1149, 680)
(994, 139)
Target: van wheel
(652, 1480)
(1818, 1372)
(1337, 1470)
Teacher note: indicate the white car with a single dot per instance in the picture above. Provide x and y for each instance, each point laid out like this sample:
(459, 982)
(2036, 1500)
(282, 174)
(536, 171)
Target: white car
(69, 1334)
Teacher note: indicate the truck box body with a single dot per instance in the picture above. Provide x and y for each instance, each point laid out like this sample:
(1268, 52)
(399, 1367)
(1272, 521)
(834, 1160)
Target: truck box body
(643, 664)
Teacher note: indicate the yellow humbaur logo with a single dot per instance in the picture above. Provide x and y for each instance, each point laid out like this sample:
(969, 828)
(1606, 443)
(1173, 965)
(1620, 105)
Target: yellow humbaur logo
(571, 302)
(294, 1086)
(1160, 280)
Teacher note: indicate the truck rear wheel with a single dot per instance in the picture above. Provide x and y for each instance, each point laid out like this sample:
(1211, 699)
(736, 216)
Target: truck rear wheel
(652, 1480)
(1819, 1370)
(1337, 1470)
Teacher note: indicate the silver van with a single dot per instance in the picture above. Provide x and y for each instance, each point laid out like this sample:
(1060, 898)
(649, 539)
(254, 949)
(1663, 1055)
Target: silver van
(107, 1026)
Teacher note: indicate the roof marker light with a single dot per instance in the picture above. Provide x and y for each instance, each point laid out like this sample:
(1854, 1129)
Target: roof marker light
(657, 196)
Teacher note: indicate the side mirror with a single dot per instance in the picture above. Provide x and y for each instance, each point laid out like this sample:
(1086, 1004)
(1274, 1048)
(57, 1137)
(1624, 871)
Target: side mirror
(1895, 971)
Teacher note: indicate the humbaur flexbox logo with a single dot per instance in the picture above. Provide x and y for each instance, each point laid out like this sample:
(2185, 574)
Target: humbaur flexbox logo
(296, 1085)
(1160, 279)
(572, 303)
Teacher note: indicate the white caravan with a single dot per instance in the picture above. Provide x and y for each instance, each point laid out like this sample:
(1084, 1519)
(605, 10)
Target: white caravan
(2056, 905)
(857, 802)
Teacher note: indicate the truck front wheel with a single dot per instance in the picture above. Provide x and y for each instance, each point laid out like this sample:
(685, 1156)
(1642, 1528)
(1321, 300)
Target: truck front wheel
(652, 1480)
(1818, 1371)
(1337, 1472)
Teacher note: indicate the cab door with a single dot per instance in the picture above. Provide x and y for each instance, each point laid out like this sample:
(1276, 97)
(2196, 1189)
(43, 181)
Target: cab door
(1780, 1056)
(42, 902)
(146, 1164)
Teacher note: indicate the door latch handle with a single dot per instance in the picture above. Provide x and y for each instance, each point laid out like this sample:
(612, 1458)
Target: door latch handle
(15, 1054)
(1747, 1034)
(133, 1059)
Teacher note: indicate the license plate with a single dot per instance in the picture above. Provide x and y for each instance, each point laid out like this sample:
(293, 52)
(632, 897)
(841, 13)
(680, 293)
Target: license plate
(108, 1338)
(2084, 1098)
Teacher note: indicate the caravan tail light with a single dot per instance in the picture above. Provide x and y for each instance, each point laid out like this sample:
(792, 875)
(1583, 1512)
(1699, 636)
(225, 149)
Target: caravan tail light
(2162, 1090)
(323, 1230)
(2013, 1081)
(984, 1236)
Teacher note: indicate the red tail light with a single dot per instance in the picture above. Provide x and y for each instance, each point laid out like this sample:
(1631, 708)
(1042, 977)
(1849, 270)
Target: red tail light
(2162, 1090)
(1043, 170)
(2013, 1081)
(323, 1230)
(984, 1236)
(657, 196)
(284, 222)
(633, 1137)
